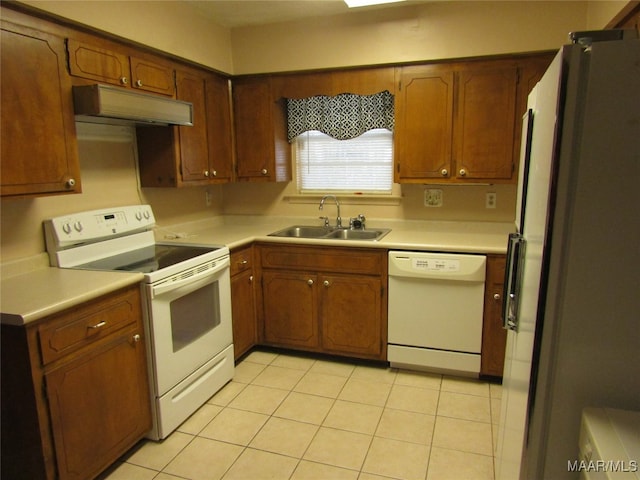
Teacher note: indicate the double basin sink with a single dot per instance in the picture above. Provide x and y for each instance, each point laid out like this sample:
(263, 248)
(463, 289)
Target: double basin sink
(331, 233)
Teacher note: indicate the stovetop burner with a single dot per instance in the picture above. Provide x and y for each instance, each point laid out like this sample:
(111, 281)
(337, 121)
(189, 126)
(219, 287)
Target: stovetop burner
(148, 259)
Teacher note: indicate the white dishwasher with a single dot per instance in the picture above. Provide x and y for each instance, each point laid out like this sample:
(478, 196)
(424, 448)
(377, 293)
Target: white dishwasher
(435, 311)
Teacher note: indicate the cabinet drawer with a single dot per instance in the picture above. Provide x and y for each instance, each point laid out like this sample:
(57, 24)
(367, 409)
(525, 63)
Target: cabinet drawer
(343, 260)
(241, 260)
(81, 326)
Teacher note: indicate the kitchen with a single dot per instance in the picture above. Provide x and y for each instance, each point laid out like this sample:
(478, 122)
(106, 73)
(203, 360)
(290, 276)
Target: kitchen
(106, 160)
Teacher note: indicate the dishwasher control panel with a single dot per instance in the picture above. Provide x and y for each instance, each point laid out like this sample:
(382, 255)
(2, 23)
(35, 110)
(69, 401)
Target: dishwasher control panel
(437, 265)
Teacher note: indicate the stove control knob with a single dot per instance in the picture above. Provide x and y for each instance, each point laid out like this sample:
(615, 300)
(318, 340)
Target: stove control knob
(66, 228)
(78, 226)
(139, 216)
(146, 214)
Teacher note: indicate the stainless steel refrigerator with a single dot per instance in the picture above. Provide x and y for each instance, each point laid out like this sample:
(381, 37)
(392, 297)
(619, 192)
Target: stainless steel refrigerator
(572, 290)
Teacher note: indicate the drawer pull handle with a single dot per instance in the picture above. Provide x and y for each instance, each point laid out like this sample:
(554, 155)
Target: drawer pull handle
(97, 325)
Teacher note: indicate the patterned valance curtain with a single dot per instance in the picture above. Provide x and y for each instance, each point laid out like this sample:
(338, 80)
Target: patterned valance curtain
(343, 116)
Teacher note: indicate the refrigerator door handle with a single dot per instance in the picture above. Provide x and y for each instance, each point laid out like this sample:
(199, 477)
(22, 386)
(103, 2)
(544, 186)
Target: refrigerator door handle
(511, 295)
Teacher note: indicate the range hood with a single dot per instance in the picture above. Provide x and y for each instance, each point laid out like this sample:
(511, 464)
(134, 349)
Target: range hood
(106, 104)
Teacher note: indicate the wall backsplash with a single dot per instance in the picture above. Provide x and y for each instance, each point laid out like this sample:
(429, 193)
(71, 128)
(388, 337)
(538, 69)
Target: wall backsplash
(460, 203)
(108, 163)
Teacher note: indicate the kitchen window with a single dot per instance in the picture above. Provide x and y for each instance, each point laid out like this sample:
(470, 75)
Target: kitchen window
(343, 143)
(360, 165)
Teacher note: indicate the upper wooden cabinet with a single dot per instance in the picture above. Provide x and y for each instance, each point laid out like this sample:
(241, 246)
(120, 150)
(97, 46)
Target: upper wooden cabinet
(459, 122)
(263, 153)
(197, 155)
(39, 146)
(484, 123)
(105, 65)
(424, 121)
(361, 81)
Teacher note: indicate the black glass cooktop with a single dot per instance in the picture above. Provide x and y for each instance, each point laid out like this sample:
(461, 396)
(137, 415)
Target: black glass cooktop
(148, 259)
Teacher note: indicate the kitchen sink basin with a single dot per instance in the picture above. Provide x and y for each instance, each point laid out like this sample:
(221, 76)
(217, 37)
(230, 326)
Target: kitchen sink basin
(302, 231)
(331, 233)
(348, 234)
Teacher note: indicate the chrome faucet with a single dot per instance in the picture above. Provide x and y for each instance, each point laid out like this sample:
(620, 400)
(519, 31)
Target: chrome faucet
(338, 219)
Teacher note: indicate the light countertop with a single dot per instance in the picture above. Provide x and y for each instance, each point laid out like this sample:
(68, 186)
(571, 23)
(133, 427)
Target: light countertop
(39, 293)
(236, 231)
(39, 290)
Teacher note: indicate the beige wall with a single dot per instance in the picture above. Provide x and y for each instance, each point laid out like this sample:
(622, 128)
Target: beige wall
(168, 26)
(432, 31)
(436, 30)
(600, 13)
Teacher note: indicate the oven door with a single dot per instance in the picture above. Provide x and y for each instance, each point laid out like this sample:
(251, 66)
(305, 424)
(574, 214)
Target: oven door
(189, 322)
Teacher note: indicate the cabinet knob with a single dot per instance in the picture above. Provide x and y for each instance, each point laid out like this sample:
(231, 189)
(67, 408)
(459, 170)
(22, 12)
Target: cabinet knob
(496, 296)
(444, 172)
(264, 171)
(138, 83)
(70, 183)
(251, 279)
(310, 282)
(136, 338)
(463, 172)
(124, 80)
(326, 283)
(206, 173)
(214, 173)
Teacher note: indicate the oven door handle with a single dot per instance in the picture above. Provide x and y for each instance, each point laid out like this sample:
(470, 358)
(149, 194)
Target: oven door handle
(201, 278)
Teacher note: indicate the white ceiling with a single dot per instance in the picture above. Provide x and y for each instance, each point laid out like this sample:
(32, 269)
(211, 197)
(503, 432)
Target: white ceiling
(239, 13)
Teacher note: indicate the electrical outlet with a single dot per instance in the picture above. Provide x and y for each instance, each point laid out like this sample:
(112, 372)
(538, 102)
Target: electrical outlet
(433, 197)
(490, 200)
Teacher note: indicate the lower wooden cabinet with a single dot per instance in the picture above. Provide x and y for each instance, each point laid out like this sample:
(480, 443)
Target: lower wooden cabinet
(75, 391)
(324, 300)
(290, 309)
(243, 304)
(494, 337)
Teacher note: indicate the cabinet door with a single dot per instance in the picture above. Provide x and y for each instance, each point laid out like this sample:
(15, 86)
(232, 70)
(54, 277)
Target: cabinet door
(485, 122)
(253, 127)
(95, 63)
(99, 405)
(352, 317)
(39, 146)
(424, 115)
(152, 77)
(494, 337)
(194, 150)
(243, 310)
(290, 309)
(219, 127)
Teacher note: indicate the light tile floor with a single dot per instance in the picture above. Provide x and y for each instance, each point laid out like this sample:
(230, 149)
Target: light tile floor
(287, 416)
